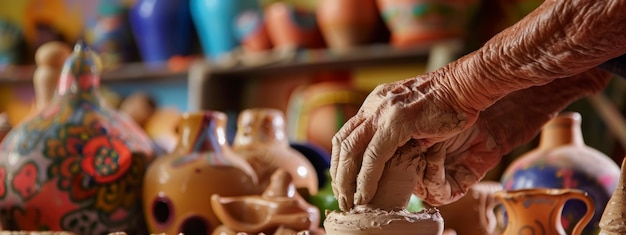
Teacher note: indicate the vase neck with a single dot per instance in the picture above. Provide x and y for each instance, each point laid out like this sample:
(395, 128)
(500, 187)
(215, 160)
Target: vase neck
(202, 132)
(80, 74)
(562, 130)
(261, 126)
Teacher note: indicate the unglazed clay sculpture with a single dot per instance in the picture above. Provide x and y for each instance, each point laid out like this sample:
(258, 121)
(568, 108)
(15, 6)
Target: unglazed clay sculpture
(538, 210)
(178, 187)
(77, 165)
(613, 221)
(278, 207)
(473, 214)
(261, 139)
(386, 213)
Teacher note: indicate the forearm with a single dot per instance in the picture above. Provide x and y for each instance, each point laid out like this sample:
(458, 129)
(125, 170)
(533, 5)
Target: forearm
(557, 40)
(518, 117)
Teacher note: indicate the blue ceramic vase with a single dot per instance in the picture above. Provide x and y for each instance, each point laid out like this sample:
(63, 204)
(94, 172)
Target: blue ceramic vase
(162, 29)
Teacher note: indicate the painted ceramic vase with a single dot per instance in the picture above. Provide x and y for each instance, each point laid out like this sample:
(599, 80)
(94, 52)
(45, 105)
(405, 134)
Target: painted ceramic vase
(261, 139)
(279, 205)
(347, 24)
(538, 210)
(178, 187)
(562, 160)
(215, 22)
(162, 28)
(77, 165)
(251, 31)
(418, 22)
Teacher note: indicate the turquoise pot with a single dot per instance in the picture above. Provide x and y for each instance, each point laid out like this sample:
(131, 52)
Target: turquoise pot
(215, 22)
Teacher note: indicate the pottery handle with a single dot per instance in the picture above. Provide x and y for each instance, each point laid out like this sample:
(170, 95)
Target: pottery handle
(583, 196)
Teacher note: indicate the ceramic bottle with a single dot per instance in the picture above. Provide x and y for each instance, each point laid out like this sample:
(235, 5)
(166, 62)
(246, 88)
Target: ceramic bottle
(261, 139)
(563, 160)
(77, 165)
(178, 186)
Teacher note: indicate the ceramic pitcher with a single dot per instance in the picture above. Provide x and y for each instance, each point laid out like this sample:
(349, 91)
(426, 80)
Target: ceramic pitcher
(538, 210)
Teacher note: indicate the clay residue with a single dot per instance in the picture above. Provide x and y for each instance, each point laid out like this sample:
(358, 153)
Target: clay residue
(364, 219)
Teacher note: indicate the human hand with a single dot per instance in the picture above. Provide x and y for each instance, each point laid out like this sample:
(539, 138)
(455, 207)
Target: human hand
(457, 162)
(418, 109)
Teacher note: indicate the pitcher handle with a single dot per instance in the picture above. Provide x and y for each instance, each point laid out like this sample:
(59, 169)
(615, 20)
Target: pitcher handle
(583, 196)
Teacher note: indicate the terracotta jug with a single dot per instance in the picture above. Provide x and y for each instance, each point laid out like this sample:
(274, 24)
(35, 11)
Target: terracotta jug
(562, 160)
(613, 221)
(77, 165)
(178, 187)
(538, 210)
(262, 140)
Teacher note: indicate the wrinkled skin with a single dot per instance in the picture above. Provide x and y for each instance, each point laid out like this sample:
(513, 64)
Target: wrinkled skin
(466, 115)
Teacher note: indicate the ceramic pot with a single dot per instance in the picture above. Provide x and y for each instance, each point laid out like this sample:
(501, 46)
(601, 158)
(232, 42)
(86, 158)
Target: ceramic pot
(10, 36)
(613, 221)
(162, 28)
(346, 24)
(419, 22)
(178, 187)
(261, 139)
(538, 211)
(292, 27)
(215, 22)
(473, 214)
(77, 165)
(252, 31)
(562, 160)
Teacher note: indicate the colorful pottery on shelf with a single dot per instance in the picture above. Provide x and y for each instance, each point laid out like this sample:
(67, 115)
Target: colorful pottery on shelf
(292, 27)
(346, 24)
(261, 139)
(10, 40)
(178, 186)
(251, 29)
(162, 29)
(77, 165)
(562, 160)
(279, 205)
(419, 22)
(109, 35)
(215, 22)
(538, 210)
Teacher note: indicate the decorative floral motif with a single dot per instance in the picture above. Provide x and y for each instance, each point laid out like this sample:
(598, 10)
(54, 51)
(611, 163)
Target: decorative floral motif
(25, 180)
(105, 159)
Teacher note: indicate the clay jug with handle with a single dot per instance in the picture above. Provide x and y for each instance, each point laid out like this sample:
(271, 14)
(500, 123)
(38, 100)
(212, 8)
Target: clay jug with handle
(538, 210)
(563, 160)
(178, 186)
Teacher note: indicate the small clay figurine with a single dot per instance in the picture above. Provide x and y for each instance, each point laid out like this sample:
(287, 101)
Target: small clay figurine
(277, 210)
